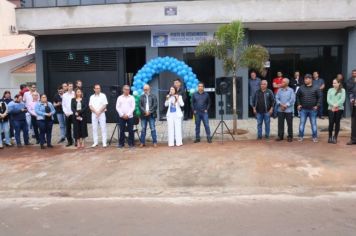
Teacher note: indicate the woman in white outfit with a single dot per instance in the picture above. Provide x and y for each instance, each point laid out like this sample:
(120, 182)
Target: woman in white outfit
(174, 102)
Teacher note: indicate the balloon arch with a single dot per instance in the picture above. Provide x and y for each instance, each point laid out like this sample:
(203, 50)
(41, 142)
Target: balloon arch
(158, 65)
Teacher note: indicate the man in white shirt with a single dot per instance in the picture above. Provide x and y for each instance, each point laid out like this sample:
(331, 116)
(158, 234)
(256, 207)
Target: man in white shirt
(97, 105)
(28, 99)
(67, 110)
(125, 106)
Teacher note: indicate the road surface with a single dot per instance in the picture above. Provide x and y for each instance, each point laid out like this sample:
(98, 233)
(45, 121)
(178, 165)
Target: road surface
(244, 215)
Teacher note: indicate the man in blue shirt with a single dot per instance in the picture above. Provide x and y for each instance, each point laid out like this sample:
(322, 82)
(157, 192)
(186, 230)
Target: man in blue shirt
(200, 107)
(17, 110)
(319, 83)
(285, 99)
(254, 84)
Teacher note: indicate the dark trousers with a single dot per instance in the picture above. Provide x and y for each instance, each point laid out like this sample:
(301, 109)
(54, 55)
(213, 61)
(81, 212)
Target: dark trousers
(35, 128)
(334, 121)
(353, 124)
(288, 116)
(69, 124)
(126, 125)
(45, 127)
(21, 125)
(12, 130)
(321, 107)
(202, 116)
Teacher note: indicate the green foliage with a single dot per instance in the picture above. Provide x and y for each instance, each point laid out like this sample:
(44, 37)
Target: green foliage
(227, 46)
(254, 56)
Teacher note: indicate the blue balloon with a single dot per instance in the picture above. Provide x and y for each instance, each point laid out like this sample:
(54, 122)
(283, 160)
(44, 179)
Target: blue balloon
(157, 65)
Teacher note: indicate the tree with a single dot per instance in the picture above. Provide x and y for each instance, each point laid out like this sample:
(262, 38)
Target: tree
(228, 46)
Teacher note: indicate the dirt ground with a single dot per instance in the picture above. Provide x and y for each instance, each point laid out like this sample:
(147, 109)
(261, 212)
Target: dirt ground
(232, 168)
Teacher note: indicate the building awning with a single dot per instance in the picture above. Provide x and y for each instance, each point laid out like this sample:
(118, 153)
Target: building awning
(13, 54)
(28, 68)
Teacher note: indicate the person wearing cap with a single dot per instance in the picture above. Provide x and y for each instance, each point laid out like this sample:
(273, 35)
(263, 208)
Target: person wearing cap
(308, 102)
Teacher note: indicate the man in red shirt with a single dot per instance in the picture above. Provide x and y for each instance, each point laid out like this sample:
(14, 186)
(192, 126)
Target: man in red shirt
(23, 89)
(277, 82)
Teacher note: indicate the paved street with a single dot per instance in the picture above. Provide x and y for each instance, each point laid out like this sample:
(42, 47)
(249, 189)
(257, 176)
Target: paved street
(260, 215)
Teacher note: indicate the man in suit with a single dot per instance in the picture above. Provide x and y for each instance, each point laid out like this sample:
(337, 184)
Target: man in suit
(148, 108)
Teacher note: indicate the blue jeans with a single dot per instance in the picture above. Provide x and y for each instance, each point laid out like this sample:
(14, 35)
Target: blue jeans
(201, 116)
(21, 125)
(126, 125)
(62, 124)
(304, 114)
(152, 122)
(45, 127)
(5, 127)
(266, 118)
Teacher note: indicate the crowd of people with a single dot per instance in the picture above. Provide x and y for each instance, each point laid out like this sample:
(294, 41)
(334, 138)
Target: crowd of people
(302, 97)
(32, 114)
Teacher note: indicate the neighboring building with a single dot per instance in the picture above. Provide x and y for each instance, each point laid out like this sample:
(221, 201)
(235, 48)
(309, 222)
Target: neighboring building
(107, 41)
(16, 51)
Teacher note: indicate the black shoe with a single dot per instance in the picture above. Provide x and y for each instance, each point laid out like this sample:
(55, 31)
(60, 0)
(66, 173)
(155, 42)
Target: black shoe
(61, 140)
(69, 144)
(330, 140)
(351, 143)
(334, 140)
(209, 140)
(197, 141)
(290, 139)
(37, 141)
(43, 147)
(49, 146)
(279, 139)
(322, 118)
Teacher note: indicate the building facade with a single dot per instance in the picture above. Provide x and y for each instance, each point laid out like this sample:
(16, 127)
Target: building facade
(108, 41)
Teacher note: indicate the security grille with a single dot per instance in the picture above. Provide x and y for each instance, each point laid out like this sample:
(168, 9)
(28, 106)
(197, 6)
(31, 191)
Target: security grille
(78, 61)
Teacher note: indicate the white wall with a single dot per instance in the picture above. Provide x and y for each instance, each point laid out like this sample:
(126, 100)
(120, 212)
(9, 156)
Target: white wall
(10, 40)
(10, 81)
(279, 14)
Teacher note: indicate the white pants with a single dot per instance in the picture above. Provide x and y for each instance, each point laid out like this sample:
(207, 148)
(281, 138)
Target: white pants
(102, 122)
(29, 124)
(174, 131)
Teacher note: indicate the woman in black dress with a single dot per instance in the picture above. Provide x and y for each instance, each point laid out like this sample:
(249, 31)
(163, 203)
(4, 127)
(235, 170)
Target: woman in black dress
(79, 108)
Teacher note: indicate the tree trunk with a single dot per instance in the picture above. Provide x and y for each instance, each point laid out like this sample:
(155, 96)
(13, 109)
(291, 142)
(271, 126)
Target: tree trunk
(234, 105)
